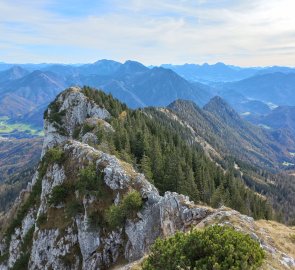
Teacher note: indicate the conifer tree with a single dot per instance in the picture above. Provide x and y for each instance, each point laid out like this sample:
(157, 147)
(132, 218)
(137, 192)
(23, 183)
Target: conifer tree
(145, 166)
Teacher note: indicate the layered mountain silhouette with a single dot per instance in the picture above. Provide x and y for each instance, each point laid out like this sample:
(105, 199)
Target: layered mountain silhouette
(282, 117)
(221, 72)
(277, 88)
(23, 95)
(218, 72)
(224, 130)
(25, 90)
(131, 82)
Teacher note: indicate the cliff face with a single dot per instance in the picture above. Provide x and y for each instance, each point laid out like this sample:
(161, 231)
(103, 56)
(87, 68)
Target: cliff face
(63, 235)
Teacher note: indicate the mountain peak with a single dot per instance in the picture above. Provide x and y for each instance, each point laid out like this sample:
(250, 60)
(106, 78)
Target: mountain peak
(183, 103)
(17, 69)
(14, 73)
(106, 61)
(133, 66)
(220, 64)
(220, 108)
(217, 102)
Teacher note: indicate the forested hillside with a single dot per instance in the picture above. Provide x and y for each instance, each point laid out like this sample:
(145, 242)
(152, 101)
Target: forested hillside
(18, 161)
(17, 155)
(164, 150)
(256, 154)
(220, 126)
(13, 185)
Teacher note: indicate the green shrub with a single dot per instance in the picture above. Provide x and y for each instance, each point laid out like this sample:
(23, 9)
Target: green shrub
(41, 219)
(96, 219)
(216, 248)
(87, 128)
(4, 257)
(115, 217)
(28, 240)
(87, 178)
(126, 209)
(53, 155)
(22, 262)
(74, 208)
(58, 194)
(55, 115)
(76, 132)
(131, 203)
(90, 181)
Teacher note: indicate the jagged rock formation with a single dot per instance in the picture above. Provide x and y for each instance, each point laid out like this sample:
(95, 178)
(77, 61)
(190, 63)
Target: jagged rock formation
(51, 238)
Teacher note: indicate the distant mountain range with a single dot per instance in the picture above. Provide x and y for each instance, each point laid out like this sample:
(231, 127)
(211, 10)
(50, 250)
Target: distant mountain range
(277, 88)
(218, 72)
(24, 93)
(27, 89)
(221, 72)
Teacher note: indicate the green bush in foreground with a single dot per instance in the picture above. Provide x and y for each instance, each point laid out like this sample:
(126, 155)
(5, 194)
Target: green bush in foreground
(215, 248)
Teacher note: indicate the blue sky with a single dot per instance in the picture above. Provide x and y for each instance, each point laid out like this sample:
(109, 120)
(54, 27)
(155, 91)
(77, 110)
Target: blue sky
(240, 32)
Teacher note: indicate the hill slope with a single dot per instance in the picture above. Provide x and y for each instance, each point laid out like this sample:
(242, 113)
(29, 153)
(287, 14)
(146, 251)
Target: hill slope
(17, 155)
(28, 92)
(220, 126)
(282, 117)
(70, 216)
(18, 161)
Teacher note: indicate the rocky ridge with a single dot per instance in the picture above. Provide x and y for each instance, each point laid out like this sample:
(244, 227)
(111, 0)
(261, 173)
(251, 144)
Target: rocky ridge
(60, 242)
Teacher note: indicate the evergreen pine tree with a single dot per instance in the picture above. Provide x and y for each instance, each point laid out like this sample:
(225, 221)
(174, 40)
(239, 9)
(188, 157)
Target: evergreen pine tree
(145, 166)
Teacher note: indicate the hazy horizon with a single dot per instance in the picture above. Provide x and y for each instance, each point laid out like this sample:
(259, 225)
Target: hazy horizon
(151, 65)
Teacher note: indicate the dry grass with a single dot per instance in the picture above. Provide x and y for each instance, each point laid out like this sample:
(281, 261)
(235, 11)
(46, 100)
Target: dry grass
(123, 115)
(281, 236)
(128, 168)
(56, 218)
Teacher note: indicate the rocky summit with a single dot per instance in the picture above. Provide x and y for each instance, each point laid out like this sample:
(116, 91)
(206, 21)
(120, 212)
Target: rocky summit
(58, 222)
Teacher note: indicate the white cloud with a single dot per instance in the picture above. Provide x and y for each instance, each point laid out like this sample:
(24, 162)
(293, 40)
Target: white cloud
(240, 32)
